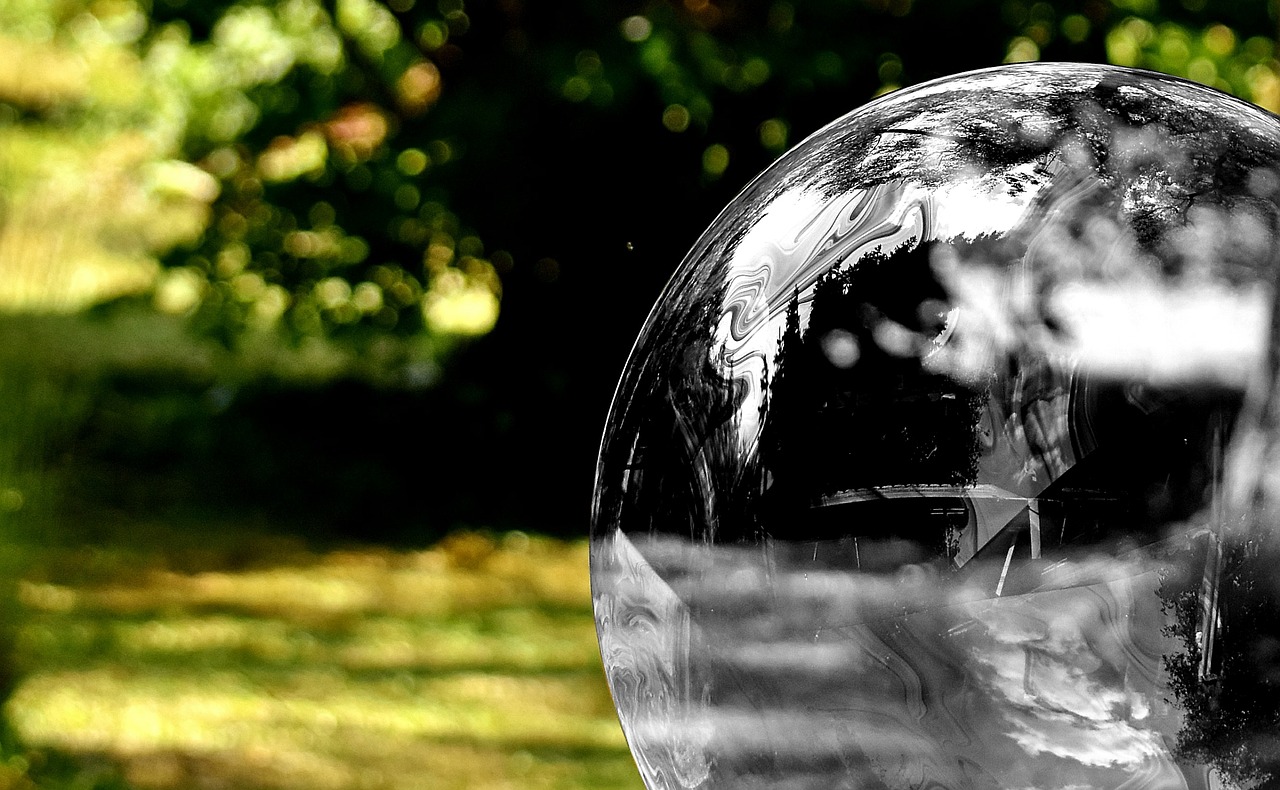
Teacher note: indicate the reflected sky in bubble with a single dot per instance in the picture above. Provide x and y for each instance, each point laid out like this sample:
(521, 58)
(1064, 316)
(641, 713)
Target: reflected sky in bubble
(941, 461)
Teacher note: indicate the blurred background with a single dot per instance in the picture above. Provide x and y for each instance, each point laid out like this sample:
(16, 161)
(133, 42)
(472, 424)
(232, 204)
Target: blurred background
(310, 314)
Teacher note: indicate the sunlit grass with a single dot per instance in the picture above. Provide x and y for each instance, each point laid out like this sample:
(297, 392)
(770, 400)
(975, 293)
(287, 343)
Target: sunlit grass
(472, 664)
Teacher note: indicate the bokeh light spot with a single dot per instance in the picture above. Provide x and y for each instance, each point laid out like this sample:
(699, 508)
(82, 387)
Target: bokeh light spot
(889, 68)
(547, 270)
(636, 28)
(407, 197)
(715, 160)
(828, 64)
(782, 16)
(1022, 50)
(1174, 48)
(332, 292)
(179, 290)
(1219, 40)
(433, 35)
(412, 161)
(1075, 27)
(676, 118)
(1202, 70)
(773, 134)
(841, 348)
(419, 87)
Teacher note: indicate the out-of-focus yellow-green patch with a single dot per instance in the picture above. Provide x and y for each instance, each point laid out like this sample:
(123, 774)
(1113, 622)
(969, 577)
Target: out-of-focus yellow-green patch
(1214, 55)
(471, 664)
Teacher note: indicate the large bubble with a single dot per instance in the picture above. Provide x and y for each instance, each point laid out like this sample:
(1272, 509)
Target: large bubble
(948, 457)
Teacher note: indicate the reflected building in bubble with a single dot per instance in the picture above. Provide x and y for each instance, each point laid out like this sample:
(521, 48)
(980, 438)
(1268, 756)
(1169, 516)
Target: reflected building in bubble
(945, 458)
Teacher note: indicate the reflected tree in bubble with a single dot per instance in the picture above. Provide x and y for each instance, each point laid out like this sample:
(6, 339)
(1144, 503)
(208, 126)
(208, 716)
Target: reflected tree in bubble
(945, 459)
(1227, 686)
(856, 378)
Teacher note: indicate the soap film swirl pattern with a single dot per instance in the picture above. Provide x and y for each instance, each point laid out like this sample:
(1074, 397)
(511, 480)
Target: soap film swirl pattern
(946, 458)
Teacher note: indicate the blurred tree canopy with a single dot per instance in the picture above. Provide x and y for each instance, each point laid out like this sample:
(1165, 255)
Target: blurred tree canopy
(271, 157)
(389, 177)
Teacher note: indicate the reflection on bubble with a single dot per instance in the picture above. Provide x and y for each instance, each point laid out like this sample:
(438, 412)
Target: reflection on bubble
(945, 459)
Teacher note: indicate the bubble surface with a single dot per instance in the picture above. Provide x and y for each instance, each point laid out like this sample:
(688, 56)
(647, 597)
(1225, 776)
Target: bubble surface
(946, 458)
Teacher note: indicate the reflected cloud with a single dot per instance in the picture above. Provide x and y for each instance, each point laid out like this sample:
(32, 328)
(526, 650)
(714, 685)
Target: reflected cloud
(878, 673)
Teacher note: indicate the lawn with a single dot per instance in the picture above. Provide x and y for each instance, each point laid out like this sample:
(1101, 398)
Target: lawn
(470, 664)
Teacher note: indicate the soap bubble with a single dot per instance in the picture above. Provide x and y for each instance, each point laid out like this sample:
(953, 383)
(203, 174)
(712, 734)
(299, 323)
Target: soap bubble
(948, 456)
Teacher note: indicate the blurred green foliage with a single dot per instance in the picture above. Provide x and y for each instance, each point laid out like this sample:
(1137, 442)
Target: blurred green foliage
(342, 169)
(270, 156)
